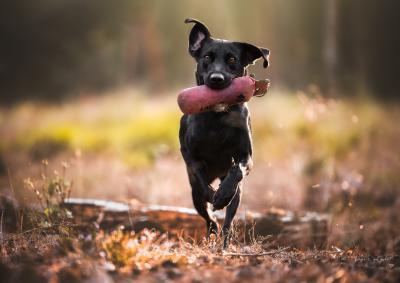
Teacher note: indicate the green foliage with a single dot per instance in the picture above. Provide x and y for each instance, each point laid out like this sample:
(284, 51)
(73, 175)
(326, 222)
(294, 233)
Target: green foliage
(282, 124)
(137, 141)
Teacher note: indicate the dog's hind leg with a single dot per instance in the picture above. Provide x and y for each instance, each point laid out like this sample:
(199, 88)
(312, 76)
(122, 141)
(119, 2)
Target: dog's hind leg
(230, 214)
(201, 205)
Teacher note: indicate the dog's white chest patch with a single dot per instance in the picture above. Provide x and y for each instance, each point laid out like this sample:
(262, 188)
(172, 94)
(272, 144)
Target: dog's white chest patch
(220, 107)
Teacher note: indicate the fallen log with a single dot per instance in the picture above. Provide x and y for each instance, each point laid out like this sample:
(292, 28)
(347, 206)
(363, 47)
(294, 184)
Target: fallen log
(301, 230)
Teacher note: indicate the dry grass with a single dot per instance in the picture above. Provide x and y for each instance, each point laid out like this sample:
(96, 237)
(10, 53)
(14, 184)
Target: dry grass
(149, 256)
(338, 156)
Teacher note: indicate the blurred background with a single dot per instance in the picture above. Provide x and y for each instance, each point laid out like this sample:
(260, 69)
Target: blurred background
(91, 86)
(56, 49)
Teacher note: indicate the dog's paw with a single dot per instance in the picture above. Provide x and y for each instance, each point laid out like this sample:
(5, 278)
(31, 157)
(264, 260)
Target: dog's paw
(222, 198)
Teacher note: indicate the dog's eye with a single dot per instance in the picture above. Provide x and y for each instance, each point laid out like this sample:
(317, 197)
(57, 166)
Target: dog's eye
(207, 58)
(231, 60)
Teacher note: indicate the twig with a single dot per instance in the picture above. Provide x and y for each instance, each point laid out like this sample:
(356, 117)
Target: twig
(10, 183)
(43, 229)
(259, 254)
(245, 224)
(21, 219)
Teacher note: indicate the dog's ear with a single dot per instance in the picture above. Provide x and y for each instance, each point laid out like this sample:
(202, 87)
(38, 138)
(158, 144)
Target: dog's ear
(197, 37)
(250, 53)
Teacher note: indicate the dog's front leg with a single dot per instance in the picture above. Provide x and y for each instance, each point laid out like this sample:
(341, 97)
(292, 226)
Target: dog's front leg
(228, 187)
(202, 192)
(196, 171)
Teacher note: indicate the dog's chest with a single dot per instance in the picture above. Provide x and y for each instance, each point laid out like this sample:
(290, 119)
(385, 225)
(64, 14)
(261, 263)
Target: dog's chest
(218, 135)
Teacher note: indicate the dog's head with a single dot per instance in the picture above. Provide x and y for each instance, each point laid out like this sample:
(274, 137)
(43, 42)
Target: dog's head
(219, 61)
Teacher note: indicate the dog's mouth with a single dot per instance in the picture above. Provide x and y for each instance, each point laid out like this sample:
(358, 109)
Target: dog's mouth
(218, 86)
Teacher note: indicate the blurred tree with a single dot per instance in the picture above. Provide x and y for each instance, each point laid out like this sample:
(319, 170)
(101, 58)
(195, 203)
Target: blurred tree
(51, 47)
(330, 46)
(54, 48)
(368, 46)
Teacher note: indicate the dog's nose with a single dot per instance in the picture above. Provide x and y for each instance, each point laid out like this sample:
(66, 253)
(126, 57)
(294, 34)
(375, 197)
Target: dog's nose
(217, 78)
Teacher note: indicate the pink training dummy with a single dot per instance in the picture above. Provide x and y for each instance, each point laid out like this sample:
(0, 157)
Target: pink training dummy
(202, 98)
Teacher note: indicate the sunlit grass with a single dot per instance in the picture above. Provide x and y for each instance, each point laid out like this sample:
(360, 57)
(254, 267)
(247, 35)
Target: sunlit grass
(330, 127)
(320, 134)
(135, 141)
(136, 134)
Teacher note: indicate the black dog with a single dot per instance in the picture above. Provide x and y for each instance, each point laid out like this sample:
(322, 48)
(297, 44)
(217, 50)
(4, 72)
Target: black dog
(218, 144)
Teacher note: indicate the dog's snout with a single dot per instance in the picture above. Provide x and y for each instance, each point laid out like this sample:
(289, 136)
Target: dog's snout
(217, 78)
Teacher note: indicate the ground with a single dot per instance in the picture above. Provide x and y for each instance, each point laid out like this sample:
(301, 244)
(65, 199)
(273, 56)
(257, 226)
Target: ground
(149, 257)
(337, 157)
